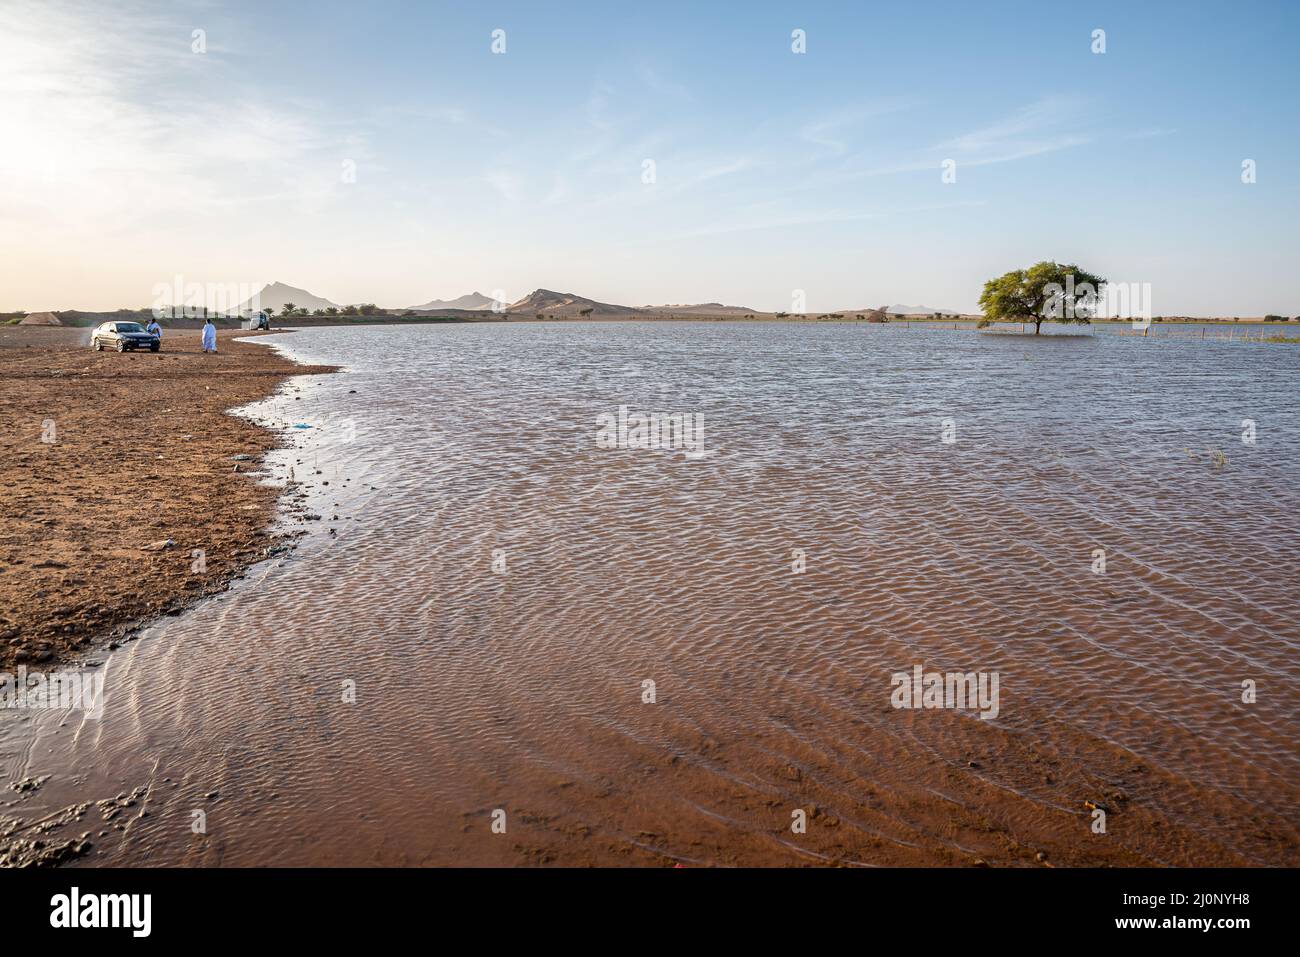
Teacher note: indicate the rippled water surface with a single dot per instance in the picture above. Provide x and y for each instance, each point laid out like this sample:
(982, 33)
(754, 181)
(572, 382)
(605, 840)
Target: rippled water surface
(447, 448)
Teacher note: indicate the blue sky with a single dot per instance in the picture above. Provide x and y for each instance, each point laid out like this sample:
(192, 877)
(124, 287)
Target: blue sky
(129, 159)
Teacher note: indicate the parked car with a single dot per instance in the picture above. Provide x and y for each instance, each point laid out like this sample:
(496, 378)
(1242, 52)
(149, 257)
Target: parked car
(124, 336)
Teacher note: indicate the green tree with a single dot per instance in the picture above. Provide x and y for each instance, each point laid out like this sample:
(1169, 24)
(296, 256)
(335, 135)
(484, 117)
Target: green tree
(1045, 292)
(289, 308)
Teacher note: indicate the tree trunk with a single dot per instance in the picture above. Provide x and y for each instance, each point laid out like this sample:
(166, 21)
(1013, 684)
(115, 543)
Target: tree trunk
(1038, 326)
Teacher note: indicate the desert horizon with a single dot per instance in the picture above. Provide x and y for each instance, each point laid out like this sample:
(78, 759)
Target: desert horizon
(180, 300)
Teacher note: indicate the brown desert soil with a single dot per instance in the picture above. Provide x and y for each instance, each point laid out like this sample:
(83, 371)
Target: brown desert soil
(141, 454)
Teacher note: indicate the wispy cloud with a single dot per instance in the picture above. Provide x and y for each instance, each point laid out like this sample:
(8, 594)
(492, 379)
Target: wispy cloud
(835, 130)
(116, 126)
(654, 80)
(508, 184)
(1044, 126)
(1150, 133)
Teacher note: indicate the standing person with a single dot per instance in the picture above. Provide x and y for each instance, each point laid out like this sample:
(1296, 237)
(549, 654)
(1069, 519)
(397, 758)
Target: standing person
(209, 336)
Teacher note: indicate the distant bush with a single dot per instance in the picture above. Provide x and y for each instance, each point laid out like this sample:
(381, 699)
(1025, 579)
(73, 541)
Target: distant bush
(1273, 318)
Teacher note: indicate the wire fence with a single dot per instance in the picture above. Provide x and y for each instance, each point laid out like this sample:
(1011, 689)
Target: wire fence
(1215, 332)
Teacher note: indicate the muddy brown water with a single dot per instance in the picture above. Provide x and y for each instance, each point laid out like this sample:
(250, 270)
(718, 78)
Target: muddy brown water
(498, 588)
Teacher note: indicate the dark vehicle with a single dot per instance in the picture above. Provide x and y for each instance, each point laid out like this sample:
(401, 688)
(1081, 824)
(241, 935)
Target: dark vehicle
(124, 336)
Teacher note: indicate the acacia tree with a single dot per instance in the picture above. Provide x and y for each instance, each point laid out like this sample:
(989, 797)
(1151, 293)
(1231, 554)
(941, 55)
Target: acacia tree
(1046, 291)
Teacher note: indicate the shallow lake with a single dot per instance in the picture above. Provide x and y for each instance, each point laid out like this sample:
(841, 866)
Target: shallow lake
(468, 633)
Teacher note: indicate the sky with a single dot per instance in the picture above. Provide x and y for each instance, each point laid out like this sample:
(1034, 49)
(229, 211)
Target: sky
(648, 153)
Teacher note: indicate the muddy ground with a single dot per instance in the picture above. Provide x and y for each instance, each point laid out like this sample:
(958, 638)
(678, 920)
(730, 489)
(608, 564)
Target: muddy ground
(115, 469)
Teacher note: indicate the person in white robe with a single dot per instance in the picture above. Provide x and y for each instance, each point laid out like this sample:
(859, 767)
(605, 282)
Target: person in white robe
(209, 336)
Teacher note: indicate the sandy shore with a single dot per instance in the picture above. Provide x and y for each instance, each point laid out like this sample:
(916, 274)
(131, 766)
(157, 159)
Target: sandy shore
(105, 458)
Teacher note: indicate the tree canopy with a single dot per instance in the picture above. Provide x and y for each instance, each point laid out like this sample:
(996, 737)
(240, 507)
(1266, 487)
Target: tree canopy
(1046, 291)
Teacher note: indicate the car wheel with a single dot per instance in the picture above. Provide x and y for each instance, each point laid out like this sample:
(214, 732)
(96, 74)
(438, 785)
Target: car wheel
(153, 348)
(99, 346)
(121, 346)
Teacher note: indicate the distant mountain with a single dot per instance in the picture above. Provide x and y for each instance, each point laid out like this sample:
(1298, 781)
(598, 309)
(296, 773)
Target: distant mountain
(277, 294)
(700, 309)
(560, 305)
(919, 311)
(565, 305)
(472, 301)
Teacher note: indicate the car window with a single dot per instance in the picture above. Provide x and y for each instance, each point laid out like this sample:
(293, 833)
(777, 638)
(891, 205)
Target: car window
(129, 327)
